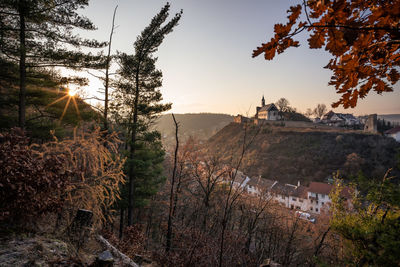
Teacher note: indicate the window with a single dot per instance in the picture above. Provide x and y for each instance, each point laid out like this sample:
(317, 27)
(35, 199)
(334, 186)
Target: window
(311, 208)
(297, 207)
(312, 201)
(294, 199)
(322, 196)
(316, 201)
(322, 203)
(300, 200)
(283, 197)
(316, 209)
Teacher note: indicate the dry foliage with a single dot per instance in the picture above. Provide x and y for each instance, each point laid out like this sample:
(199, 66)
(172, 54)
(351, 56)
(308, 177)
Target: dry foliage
(79, 173)
(97, 170)
(132, 242)
(253, 228)
(200, 248)
(32, 183)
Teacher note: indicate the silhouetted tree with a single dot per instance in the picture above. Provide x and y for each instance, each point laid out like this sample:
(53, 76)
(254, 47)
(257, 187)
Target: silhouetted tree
(320, 110)
(308, 113)
(39, 33)
(282, 104)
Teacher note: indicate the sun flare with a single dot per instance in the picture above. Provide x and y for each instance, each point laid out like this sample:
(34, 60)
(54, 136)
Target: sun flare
(71, 92)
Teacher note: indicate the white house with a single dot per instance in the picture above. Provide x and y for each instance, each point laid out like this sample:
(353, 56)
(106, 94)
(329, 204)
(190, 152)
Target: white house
(318, 196)
(240, 180)
(259, 186)
(313, 198)
(340, 119)
(281, 193)
(267, 112)
(298, 199)
(394, 133)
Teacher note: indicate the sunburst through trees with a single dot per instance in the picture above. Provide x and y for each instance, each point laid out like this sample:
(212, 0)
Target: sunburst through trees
(69, 95)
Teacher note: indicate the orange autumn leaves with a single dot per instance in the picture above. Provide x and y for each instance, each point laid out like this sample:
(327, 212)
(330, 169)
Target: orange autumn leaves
(283, 38)
(363, 38)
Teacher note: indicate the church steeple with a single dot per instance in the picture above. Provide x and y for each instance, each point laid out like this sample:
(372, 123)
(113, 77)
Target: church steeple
(263, 101)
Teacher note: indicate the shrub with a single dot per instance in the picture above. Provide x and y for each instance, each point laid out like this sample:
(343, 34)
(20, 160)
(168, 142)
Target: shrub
(81, 173)
(31, 183)
(131, 244)
(97, 170)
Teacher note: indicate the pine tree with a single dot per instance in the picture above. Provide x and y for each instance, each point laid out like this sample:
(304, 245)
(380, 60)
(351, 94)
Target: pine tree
(137, 98)
(39, 33)
(46, 101)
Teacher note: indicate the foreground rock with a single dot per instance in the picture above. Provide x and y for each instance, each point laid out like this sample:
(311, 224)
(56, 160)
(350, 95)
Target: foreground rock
(35, 251)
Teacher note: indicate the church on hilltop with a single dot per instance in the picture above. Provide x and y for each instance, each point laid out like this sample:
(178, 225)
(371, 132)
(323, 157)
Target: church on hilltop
(267, 112)
(264, 113)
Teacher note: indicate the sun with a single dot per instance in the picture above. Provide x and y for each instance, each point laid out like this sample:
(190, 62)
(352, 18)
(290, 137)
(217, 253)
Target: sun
(71, 93)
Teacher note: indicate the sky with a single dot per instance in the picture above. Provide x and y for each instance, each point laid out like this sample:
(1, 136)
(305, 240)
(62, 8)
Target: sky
(206, 61)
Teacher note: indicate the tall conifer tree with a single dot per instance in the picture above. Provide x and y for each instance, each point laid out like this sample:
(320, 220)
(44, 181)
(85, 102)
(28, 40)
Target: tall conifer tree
(39, 33)
(137, 99)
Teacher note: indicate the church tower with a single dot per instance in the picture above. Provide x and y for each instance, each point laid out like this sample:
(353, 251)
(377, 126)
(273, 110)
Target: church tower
(263, 101)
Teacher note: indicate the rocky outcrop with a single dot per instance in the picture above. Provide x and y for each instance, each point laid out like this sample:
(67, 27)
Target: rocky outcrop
(35, 251)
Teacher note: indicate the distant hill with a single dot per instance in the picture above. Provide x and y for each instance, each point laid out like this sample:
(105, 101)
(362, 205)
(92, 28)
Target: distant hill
(305, 154)
(390, 117)
(201, 125)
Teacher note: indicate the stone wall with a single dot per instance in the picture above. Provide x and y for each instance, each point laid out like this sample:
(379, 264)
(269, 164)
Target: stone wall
(371, 124)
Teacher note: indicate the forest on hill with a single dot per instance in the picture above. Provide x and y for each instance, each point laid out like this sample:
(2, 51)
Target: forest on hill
(308, 155)
(198, 125)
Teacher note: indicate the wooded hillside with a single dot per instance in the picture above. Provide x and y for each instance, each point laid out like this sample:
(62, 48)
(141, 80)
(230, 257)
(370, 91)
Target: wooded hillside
(291, 155)
(200, 125)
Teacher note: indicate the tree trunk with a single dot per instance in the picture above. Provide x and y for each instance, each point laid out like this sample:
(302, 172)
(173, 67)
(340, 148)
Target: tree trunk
(171, 197)
(79, 230)
(121, 223)
(132, 152)
(107, 73)
(22, 66)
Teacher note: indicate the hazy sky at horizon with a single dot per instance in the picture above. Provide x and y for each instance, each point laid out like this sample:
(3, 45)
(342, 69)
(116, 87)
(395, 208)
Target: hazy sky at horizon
(207, 64)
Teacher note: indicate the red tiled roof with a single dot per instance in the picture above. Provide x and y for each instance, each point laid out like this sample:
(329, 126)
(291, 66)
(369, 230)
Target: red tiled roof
(320, 188)
(393, 130)
(323, 188)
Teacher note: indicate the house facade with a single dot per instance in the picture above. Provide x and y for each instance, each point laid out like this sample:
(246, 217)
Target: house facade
(318, 196)
(267, 112)
(312, 199)
(394, 133)
(340, 119)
